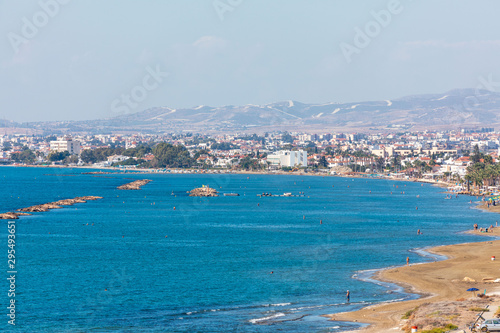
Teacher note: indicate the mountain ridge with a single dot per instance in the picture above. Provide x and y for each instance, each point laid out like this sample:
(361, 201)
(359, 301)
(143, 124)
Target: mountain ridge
(451, 110)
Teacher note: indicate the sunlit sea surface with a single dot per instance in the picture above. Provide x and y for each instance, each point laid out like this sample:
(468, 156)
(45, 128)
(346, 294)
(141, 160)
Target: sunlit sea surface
(130, 262)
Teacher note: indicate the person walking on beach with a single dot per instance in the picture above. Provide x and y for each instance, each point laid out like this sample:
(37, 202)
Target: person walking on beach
(348, 296)
(407, 261)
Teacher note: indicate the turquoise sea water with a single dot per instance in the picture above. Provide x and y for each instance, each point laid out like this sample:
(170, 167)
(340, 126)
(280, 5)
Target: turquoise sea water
(212, 273)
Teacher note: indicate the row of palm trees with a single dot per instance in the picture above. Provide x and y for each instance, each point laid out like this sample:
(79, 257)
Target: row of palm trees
(482, 174)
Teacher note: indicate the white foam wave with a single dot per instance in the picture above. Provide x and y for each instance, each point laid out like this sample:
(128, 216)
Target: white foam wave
(259, 320)
(279, 304)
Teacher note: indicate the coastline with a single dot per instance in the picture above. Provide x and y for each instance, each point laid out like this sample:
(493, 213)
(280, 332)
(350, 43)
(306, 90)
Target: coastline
(438, 284)
(173, 171)
(369, 315)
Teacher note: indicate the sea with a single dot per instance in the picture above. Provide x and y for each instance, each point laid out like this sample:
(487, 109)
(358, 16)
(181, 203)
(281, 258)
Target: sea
(157, 260)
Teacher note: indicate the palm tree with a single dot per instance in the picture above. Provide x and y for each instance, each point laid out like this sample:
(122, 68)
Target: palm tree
(468, 179)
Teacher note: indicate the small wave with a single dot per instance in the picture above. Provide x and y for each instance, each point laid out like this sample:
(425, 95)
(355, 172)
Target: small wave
(259, 320)
(425, 254)
(279, 304)
(309, 307)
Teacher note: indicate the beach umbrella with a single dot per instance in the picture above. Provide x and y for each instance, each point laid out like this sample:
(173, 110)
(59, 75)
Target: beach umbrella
(473, 289)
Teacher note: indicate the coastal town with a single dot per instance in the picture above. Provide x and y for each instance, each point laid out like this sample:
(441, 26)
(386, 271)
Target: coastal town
(465, 158)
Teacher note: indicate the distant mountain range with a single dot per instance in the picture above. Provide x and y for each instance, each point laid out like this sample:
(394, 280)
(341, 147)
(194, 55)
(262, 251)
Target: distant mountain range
(452, 110)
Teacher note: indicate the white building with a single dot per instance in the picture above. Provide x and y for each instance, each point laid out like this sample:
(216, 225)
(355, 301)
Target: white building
(287, 158)
(66, 144)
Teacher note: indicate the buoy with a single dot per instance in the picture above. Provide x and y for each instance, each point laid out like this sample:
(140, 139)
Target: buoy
(174, 207)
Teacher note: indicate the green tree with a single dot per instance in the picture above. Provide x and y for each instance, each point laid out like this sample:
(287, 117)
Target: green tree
(57, 156)
(6, 146)
(168, 155)
(26, 156)
(323, 162)
(476, 156)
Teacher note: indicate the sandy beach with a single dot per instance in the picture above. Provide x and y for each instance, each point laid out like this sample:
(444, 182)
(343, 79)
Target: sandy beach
(442, 286)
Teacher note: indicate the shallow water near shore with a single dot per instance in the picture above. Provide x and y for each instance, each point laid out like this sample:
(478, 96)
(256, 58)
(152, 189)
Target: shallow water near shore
(130, 262)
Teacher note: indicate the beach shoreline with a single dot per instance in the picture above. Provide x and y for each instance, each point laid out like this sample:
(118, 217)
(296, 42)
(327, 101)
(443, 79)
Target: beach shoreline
(390, 311)
(174, 171)
(440, 283)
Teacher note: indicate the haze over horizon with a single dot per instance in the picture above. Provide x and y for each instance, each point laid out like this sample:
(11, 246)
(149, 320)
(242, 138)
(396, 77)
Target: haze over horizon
(75, 60)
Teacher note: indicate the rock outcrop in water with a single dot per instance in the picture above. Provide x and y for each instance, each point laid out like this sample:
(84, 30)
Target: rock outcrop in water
(46, 207)
(136, 185)
(11, 215)
(203, 192)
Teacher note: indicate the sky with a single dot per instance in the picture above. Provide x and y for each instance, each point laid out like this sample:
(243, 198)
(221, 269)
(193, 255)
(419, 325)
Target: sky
(94, 59)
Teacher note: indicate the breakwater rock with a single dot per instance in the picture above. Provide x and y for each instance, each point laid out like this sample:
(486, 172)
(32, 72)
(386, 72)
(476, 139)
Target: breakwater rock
(46, 207)
(11, 215)
(203, 192)
(135, 185)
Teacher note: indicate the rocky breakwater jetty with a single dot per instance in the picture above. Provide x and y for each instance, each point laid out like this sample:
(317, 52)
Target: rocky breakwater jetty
(46, 207)
(203, 192)
(135, 185)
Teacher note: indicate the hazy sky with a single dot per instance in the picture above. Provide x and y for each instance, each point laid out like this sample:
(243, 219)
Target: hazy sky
(87, 59)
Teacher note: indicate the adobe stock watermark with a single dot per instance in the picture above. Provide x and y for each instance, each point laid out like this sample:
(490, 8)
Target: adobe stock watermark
(471, 102)
(129, 101)
(373, 28)
(223, 6)
(31, 27)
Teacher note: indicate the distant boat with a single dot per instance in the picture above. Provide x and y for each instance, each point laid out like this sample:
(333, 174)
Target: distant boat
(231, 195)
(287, 194)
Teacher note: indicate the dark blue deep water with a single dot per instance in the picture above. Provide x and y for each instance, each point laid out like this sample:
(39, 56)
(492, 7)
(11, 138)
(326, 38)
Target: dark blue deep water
(131, 263)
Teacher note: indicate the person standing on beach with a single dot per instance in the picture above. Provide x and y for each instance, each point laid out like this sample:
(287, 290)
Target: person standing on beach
(407, 261)
(348, 296)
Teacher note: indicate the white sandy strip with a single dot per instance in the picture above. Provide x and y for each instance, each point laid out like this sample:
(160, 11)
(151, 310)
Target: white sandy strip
(289, 114)
(161, 115)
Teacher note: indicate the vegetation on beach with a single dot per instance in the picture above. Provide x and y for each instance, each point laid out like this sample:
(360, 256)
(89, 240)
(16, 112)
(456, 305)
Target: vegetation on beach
(444, 329)
(484, 172)
(408, 313)
(476, 309)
